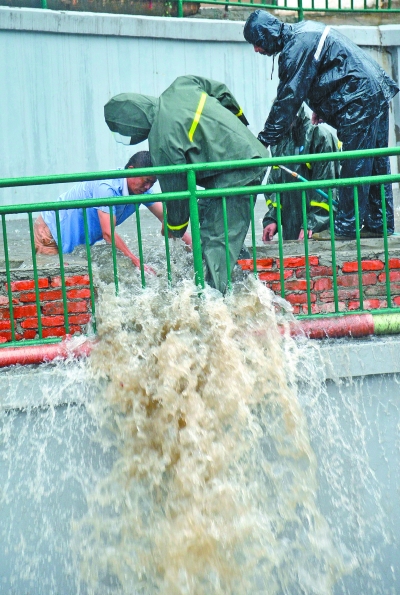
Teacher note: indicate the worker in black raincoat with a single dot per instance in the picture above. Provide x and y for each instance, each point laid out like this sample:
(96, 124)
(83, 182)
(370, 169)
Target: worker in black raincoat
(302, 138)
(196, 120)
(344, 87)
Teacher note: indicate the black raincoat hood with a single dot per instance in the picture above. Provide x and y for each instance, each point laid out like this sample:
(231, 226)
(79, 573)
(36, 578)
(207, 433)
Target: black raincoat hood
(265, 31)
(132, 115)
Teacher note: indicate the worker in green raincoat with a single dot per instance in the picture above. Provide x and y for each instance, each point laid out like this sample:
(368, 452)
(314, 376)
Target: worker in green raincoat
(301, 138)
(196, 120)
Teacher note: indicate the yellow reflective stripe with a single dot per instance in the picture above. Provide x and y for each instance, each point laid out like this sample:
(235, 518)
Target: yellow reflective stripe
(197, 116)
(308, 165)
(177, 226)
(321, 205)
(339, 145)
(275, 167)
(274, 204)
(240, 112)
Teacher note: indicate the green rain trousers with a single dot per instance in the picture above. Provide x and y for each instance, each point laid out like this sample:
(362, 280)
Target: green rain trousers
(213, 235)
(302, 138)
(196, 120)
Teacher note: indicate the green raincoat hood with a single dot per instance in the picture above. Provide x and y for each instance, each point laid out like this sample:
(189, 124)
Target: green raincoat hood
(131, 115)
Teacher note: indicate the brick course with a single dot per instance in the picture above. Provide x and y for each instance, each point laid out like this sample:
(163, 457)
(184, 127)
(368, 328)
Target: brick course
(321, 283)
(25, 313)
(295, 285)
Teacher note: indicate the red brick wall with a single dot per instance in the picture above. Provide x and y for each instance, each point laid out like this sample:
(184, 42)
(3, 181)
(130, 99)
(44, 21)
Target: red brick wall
(51, 307)
(322, 297)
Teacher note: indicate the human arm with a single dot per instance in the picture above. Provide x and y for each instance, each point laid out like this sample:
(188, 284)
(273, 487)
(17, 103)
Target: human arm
(296, 76)
(157, 210)
(104, 219)
(177, 210)
(322, 141)
(270, 218)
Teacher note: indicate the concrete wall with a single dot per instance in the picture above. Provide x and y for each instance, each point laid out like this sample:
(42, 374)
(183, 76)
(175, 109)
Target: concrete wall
(59, 69)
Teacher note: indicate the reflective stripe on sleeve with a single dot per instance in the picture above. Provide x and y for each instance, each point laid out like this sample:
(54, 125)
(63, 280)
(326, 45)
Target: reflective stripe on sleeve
(274, 204)
(320, 205)
(178, 226)
(321, 43)
(309, 165)
(197, 115)
(240, 113)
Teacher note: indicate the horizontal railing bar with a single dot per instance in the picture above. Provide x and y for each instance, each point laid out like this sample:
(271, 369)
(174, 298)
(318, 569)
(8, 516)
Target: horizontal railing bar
(334, 183)
(297, 8)
(348, 313)
(27, 342)
(214, 193)
(92, 202)
(197, 167)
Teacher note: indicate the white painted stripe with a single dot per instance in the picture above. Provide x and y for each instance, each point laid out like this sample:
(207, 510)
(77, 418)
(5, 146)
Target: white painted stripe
(321, 43)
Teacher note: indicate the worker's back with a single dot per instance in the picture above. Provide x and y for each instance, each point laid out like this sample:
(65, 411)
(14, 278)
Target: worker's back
(197, 122)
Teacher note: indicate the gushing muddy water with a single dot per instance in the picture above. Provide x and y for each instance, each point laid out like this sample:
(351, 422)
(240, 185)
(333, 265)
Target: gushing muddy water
(214, 488)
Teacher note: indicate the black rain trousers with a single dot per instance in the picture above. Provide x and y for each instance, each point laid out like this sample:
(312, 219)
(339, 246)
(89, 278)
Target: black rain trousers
(373, 134)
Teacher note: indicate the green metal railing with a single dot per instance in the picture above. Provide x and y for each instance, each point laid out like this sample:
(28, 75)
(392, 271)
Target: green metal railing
(301, 7)
(325, 6)
(193, 194)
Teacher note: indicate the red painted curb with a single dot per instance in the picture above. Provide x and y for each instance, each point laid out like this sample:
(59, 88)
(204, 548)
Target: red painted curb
(38, 354)
(353, 325)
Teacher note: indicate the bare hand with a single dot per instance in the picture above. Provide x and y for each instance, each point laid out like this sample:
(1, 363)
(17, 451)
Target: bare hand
(147, 268)
(301, 234)
(315, 119)
(269, 232)
(186, 238)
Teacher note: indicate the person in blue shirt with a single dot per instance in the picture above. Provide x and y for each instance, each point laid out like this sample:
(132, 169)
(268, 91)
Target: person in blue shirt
(99, 227)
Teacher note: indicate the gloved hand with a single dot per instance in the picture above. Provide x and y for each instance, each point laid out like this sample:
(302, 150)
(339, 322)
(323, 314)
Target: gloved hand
(262, 140)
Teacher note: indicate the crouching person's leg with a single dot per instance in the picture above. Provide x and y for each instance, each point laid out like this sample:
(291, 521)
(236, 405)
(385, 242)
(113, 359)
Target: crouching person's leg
(213, 236)
(44, 241)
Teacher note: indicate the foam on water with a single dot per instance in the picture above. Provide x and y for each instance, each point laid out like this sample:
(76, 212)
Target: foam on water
(214, 489)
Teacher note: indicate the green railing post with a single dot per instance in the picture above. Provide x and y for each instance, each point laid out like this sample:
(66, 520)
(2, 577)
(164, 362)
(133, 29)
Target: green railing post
(306, 255)
(227, 249)
(35, 276)
(280, 242)
(44, 3)
(140, 248)
(253, 236)
(333, 252)
(8, 275)
(90, 270)
(359, 263)
(195, 228)
(300, 12)
(62, 272)
(113, 251)
(167, 253)
(386, 246)
(180, 9)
